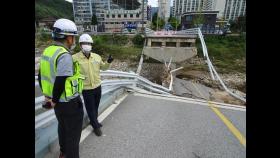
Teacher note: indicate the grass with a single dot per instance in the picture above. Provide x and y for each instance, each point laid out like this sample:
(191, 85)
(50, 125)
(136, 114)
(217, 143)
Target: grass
(115, 45)
(228, 53)
(118, 52)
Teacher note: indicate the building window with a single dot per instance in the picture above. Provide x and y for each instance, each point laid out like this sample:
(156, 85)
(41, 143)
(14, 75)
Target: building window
(107, 16)
(119, 15)
(125, 15)
(137, 15)
(185, 44)
(156, 44)
(188, 18)
(113, 15)
(131, 15)
(170, 44)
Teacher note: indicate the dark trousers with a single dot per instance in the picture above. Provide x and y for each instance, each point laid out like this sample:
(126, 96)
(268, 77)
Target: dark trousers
(92, 99)
(70, 120)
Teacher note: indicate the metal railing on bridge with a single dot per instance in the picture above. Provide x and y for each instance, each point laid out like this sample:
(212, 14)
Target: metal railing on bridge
(213, 72)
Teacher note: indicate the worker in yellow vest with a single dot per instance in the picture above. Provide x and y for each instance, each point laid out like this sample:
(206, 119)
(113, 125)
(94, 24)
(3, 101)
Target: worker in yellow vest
(91, 63)
(61, 84)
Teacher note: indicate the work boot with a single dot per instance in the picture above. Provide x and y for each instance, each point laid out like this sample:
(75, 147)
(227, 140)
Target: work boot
(61, 155)
(100, 125)
(97, 132)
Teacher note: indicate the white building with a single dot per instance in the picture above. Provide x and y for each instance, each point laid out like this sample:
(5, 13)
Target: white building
(208, 5)
(164, 9)
(112, 15)
(184, 6)
(99, 7)
(228, 9)
(125, 15)
(82, 10)
(220, 6)
(234, 9)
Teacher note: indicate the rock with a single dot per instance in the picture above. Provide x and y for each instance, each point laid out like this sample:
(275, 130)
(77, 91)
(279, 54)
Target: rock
(223, 96)
(122, 66)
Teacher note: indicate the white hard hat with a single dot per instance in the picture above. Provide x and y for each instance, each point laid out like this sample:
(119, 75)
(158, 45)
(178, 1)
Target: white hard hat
(65, 27)
(85, 38)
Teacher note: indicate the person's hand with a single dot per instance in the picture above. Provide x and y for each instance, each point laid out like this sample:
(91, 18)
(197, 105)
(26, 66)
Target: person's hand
(52, 103)
(110, 59)
(49, 104)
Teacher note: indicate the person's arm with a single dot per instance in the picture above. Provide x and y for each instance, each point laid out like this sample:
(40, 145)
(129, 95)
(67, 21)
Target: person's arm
(39, 79)
(58, 88)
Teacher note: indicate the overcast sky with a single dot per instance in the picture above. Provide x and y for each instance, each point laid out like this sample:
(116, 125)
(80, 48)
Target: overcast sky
(153, 3)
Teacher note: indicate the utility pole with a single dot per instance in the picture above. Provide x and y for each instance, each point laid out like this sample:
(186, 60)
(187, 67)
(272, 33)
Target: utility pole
(143, 16)
(157, 21)
(176, 24)
(157, 15)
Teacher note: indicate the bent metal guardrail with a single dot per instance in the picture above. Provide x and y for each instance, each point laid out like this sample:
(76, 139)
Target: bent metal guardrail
(213, 72)
(117, 79)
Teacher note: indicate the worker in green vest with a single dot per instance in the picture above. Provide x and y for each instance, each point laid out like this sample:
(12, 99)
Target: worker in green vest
(91, 63)
(61, 84)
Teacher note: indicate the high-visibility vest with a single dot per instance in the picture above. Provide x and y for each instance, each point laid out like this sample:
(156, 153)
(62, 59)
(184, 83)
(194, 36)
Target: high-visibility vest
(48, 71)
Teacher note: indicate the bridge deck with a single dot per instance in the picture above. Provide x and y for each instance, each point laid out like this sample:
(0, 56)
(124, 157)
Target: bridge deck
(142, 126)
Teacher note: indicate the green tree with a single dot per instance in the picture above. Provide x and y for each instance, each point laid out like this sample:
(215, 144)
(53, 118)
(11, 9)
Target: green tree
(238, 25)
(53, 8)
(154, 18)
(138, 40)
(161, 23)
(241, 23)
(157, 21)
(94, 20)
(154, 21)
(198, 19)
(174, 22)
(233, 25)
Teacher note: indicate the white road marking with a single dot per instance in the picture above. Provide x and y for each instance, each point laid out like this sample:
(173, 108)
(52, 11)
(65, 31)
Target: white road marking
(193, 101)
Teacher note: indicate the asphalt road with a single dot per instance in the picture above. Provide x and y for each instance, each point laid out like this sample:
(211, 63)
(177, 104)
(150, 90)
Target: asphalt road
(142, 127)
(190, 89)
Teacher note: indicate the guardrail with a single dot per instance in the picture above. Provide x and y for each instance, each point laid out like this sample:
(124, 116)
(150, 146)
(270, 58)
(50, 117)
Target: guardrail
(213, 72)
(209, 63)
(117, 79)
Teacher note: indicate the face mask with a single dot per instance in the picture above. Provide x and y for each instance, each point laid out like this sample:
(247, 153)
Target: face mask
(86, 48)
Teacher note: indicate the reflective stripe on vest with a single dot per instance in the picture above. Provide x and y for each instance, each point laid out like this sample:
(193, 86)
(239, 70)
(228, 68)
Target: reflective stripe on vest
(68, 98)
